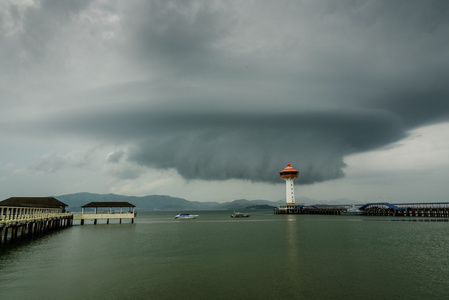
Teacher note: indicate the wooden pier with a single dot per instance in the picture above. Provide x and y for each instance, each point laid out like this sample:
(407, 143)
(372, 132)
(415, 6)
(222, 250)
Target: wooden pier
(20, 217)
(430, 210)
(106, 212)
(311, 210)
(28, 216)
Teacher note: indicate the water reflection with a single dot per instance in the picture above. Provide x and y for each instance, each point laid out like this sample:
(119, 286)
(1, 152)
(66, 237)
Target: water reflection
(293, 270)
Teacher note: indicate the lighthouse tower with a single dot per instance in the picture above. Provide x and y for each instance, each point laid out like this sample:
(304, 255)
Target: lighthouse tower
(289, 175)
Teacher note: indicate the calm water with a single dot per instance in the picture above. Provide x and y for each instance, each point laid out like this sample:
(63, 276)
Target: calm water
(265, 256)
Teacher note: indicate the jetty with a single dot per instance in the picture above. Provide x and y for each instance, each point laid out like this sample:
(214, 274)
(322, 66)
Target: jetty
(28, 216)
(430, 210)
(106, 211)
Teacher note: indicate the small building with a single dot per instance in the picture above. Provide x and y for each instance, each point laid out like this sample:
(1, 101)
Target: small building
(105, 214)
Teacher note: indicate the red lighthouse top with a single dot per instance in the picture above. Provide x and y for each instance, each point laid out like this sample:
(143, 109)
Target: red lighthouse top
(289, 172)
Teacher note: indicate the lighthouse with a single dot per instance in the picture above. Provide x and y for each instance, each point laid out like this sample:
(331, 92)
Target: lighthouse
(289, 175)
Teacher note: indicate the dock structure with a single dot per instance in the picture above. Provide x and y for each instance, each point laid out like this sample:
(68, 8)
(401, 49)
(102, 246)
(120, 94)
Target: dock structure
(27, 216)
(311, 210)
(105, 211)
(430, 210)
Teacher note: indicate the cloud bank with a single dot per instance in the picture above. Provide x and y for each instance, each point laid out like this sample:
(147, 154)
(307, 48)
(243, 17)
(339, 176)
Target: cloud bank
(227, 90)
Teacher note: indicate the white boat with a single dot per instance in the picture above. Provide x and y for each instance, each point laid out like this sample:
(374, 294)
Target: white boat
(185, 216)
(239, 215)
(353, 211)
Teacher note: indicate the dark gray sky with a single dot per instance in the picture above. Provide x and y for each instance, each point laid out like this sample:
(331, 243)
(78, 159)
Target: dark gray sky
(208, 100)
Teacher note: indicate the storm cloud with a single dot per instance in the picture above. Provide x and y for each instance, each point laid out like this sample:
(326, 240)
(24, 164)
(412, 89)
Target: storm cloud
(222, 90)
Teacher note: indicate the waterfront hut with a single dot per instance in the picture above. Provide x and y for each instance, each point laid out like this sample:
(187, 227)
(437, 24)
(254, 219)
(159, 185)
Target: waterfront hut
(106, 211)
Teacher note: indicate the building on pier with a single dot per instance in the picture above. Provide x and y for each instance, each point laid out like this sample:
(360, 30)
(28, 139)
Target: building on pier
(105, 211)
(21, 216)
(289, 174)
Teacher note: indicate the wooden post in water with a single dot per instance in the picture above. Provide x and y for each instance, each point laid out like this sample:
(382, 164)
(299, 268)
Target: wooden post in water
(6, 234)
(13, 232)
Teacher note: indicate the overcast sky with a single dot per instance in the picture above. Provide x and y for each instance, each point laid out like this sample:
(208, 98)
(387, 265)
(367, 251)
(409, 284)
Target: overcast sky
(208, 100)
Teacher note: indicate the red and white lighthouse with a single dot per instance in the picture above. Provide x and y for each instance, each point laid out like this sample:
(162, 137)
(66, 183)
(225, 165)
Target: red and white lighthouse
(289, 175)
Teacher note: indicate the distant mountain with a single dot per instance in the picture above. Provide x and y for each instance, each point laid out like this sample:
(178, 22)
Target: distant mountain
(145, 203)
(340, 201)
(168, 203)
(310, 201)
(245, 204)
(157, 202)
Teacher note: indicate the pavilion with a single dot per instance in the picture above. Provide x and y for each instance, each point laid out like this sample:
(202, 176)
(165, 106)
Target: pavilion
(100, 213)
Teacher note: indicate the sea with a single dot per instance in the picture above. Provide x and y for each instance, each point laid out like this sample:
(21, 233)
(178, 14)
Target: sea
(214, 256)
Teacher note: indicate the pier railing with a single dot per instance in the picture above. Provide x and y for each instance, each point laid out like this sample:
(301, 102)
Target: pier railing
(12, 214)
(22, 221)
(104, 216)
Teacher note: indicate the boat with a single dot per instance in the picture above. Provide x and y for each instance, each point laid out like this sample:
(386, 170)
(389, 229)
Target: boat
(185, 216)
(353, 211)
(239, 215)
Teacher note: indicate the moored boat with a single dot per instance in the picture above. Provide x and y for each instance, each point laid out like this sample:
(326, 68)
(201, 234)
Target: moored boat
(239, 215)
(185, 216)
(353, 211)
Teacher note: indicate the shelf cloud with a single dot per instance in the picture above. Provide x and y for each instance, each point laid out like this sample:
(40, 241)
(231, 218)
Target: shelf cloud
(221, 90)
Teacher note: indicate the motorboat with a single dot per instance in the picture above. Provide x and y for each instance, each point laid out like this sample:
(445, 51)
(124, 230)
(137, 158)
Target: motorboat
(185, 216)
(239, 215)
(353, 211)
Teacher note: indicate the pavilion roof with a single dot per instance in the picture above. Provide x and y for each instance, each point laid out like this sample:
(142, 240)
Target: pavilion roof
(38, 202)
(109, 204)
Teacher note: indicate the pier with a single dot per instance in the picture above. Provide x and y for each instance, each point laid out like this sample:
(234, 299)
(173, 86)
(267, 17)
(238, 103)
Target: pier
(311, 210)
(430, 210)
(28, 216)
(105, 211)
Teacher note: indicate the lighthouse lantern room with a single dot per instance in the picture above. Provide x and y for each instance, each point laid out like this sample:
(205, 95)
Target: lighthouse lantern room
(289, 175)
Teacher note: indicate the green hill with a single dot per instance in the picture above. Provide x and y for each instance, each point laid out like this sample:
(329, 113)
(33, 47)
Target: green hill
(157, 202)
(168, 203)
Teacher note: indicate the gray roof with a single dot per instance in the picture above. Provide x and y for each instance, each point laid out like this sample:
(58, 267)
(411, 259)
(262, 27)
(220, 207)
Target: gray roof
(38, 202)
(109, 204)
